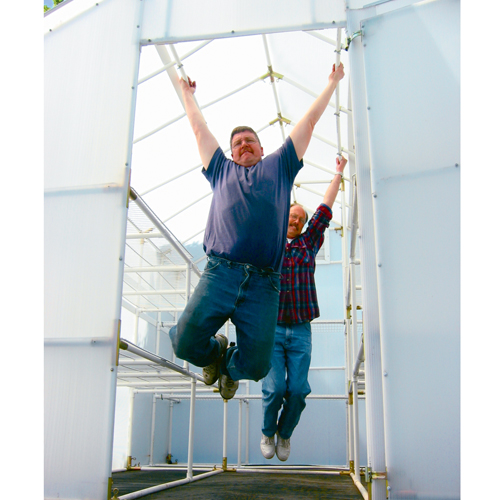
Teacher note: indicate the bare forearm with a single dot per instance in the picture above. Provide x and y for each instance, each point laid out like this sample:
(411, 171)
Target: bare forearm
(332, 190)
(302, 132)
(207, 143)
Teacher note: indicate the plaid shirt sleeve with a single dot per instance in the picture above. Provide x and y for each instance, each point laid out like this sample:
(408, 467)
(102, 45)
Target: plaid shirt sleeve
(298, 300)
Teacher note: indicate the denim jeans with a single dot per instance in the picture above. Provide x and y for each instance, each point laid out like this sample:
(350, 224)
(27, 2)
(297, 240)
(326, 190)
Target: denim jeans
(286, 384)
(240, 292)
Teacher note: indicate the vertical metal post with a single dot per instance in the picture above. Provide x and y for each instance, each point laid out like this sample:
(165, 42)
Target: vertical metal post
(371, 322)
(247, 427)
(191, 429)
(153, 419)
(130, 425)
(170, 415)
(224, 438)
(158, 330)
(240, 417)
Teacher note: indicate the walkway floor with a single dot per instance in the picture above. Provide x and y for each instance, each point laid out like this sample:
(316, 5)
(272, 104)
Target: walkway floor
(240, 486)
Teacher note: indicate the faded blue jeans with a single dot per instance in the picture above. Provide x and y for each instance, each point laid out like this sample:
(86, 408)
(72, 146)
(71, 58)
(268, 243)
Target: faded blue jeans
(240, 292)
(286, 384)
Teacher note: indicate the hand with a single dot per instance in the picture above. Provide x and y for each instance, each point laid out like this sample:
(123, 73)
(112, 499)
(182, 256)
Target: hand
(187, 86)
(337, 73)
(341, 163)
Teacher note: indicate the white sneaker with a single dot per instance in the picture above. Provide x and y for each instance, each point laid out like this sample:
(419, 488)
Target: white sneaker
(282, 448)
(267, 446)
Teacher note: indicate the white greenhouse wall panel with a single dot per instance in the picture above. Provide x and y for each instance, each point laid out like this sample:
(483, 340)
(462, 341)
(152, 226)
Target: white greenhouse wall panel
(412, 68)
(173, 20)
(91, 60)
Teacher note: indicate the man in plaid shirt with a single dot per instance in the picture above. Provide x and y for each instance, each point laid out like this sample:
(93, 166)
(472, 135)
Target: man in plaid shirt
(285, 387)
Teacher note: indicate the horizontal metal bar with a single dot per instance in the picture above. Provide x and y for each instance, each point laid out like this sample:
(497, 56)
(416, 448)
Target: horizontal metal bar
(234, 34)
(156, 292)
(78, 341)
(171, 484)
(154, 269)
(164, 231)
(143, 236)
(128, 346)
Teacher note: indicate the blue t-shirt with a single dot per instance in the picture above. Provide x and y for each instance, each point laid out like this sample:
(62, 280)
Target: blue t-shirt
(248, 218)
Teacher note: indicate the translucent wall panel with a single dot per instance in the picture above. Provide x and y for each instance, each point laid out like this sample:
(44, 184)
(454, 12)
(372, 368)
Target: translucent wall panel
(413, 96)
(173, 20)
(91, 59)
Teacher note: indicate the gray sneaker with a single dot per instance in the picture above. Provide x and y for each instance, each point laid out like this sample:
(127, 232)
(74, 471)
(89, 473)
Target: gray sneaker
(211, 372)
(267, 446)
(227, 386)
(282, 448)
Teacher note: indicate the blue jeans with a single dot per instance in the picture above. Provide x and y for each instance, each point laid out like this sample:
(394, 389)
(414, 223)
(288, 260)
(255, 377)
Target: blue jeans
(240, 292)
(286, 384)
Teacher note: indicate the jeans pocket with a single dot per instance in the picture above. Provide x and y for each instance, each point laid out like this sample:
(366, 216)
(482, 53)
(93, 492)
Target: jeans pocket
(212, 264)
(275, 282)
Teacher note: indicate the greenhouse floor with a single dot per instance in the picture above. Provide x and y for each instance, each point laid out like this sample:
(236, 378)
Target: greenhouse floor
(234, 485)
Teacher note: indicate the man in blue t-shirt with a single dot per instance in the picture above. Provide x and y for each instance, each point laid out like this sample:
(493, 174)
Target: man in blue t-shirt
(241, 280)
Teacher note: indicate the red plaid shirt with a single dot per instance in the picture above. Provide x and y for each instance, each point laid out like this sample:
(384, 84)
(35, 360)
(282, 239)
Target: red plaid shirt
(298, 300)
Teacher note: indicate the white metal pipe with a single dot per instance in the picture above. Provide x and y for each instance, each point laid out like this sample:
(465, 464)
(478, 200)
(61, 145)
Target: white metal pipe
(160, 127)
(273, 84)
(224, 436)
(156, 72)
(155, 269)
(192, 236)
(185, 172)
(240, 417)
(130, 423)
(217, 396)
(163, 230)
(371, 320)
(170, 416)
(153, 292)
(165, 486)
(171, 393)
(360, 487)
(151, 444)
(247, 426)
(360, 358)
(162, 309)
(355, 428)
(158, 331)
(126, 345)
(191, 430)
(235, 91)
(172, 63)
(289, 470)
(206, 195)
(321, 37)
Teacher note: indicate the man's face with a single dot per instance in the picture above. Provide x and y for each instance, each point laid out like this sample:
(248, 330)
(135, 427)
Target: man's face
(296, 222)
(245, 149)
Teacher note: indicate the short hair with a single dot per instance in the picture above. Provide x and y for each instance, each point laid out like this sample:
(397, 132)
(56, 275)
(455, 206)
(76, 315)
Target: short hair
(299, 205)
(242, 128)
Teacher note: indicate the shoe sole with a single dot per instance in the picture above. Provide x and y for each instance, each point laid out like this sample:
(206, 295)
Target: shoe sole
(217, 363)
(221, 389)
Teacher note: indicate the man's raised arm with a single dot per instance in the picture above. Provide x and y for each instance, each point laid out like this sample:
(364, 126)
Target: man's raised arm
(333, 187)
(207, 143)
(302, 132)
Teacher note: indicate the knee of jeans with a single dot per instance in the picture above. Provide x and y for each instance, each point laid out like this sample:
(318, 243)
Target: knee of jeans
(259, 372)
(181, 346)
(299, 395)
